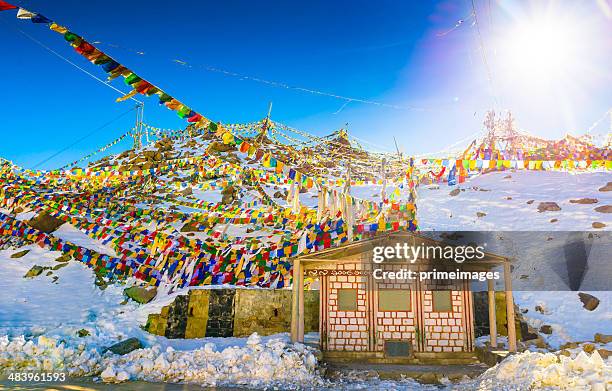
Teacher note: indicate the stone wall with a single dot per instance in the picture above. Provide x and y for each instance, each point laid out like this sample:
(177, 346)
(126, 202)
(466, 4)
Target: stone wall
(232, 312)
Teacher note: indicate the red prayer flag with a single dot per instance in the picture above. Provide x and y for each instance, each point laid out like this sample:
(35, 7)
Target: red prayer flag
(4, 6)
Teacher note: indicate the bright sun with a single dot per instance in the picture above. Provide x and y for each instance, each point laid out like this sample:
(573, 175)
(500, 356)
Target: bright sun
(541, 49)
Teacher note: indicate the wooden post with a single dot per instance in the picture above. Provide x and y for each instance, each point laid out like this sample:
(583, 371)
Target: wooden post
(383, 192)
(509, 308)
(295, 300)
(301, 304)
(492, 320)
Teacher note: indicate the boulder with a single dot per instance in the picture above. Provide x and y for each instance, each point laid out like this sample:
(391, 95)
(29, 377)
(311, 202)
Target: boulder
(597, 224)
(588, 348)
(604, 353)
(64, 258)
(548, 207)
(481, 214)
(570, 345)
(604, 209)
(59, 266)
(455, 192)
(607, 187)
(584, 201)
(187, 191)
(34, 271)
(216, 146)
(228, 194)
(589, 302)
(83, 333)
(546, 329)
(45, 222)
(554, 220)
(530, 202)
(20, 254)
(603, 338)
(141, 295)
(126, 346)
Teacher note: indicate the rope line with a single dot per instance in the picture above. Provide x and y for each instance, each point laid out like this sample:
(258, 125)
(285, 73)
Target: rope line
(86, 136)
(67, 60)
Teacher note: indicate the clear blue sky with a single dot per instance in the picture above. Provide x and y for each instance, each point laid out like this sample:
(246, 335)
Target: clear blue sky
(386, 51)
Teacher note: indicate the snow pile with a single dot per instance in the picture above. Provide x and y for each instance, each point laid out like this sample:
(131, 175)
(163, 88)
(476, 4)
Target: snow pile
(256, 364)
(545, 371)
(46, 354)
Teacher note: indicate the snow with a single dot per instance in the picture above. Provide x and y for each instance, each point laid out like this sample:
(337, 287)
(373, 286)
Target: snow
(40, 317)
(544, 371)
(564, 312)
(437, 210)
(72, 234)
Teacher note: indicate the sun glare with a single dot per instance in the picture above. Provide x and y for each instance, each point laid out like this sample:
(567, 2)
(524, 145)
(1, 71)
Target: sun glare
(542, 49)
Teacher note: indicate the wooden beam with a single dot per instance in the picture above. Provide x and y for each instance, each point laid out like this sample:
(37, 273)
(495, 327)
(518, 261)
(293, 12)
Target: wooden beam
(301, 304)
(295, 300)
(509, 308)
(492, 320)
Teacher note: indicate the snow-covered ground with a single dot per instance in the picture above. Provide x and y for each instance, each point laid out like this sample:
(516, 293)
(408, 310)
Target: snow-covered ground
(40, 317)
(503, 196)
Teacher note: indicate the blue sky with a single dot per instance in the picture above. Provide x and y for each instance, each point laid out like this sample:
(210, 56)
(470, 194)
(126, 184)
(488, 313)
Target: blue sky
(384, 51)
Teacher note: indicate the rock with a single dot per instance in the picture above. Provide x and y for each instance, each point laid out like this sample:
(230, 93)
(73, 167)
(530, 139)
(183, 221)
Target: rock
(538, 342)
(216, 146)
(508, 198)
(141, 295)
(539, 308)
(603, 338)
(228, 194)
(607, 187)
(546, 329)
(554, 220)
(604, 353)
(570, 345)
(20, 254)
(604, 209)
(548, 207)
(83, 333)
(64, 258)
(530, 202)
(597, 224)
(565, 353)
(584, 201)
(187, 191)
(126, 346)
(45, 222)
(508, 177)
(454, 192)
(34, 271)
(589, 302)
(588, 347)
(61, 265)
(481, 214)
